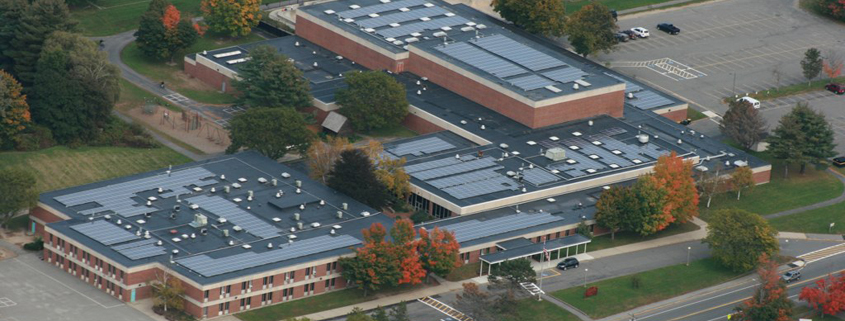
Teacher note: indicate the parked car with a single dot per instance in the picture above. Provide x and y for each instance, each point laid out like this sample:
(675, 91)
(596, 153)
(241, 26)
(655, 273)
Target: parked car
(839, 161)
(791, 276)
(621, 37)
(669, 28)
(835, 88)
(568, 263)
(631, 34)
(640, 32)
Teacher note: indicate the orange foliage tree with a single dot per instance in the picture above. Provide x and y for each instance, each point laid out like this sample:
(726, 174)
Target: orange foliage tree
(770, 301)
(832, 64)
(674, 175)
(234, 17)
(373, 265)
(438, 251)
(828, 296)
(405, 252)
(14, 111)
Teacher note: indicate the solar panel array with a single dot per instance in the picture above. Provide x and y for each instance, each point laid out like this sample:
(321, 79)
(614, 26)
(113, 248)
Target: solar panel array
(648, 99)
(431, 164)
(466, 178)
(432, 24)
(354, 13)
(104, 232)
(610, 153)
(629, 86)
(539, 176)
(118, 197)
(519, 53)
(140, 249)
(400, 17)
(481, 59)
(209, 267)
(475, 229)
(224, 208)
(463, 167)
(530, 82)
(419, 147)
(473, 189)
(565, 75)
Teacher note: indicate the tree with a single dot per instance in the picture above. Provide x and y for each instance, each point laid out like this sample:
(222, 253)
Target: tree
(14, 111)
(770, 301)
(234, 17)
(75, 87)
(354, 175)
(399, 312)
(358, 315)
(711, 183)
(438, 251)
(40, 19)
(803, 136)
(649, 213)
(828, 296)
(511, 273)
(592, 29)
(811, 65)
(405, 251)
(674, 175)
(373, 266)
(742, 178)
(544, 17)
(271, 131)
(168, 292)
(372, 100)
(832, 64)
(268, 79)
(391, 172)
(380, 314)
(612, 208)
(833, 8)
(475, 303)
(11, 12)
(16, 193)
(743, 124)
(323, 154)
(739, 238)
(162, 32)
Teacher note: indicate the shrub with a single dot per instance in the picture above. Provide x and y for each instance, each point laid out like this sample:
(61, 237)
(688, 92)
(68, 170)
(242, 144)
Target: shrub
(121, 134)
(36, 245)
(636, 281)
(34, 138)
(421, 216)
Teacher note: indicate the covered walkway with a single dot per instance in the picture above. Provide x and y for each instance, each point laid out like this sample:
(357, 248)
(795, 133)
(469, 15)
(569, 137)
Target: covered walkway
(521, 248)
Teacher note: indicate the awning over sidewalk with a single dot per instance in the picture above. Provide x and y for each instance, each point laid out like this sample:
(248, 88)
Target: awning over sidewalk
(526, 250)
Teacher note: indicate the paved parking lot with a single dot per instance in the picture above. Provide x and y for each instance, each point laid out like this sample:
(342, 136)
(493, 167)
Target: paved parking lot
(32, 290)
(728, 48)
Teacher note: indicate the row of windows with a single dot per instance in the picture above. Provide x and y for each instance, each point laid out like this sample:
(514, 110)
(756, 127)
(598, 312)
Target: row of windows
(268, 281)
(96, 262)
(98, 279)
(422, 204)
(267, 298)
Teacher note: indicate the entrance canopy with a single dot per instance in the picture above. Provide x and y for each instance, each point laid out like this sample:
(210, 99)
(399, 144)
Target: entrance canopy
(526, 250)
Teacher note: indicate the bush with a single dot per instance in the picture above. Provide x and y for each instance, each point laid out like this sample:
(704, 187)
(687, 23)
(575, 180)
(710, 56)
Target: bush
(36, 245)
(34, 138)
(636, 281)
(121, 134)
(584, 230)
(421, 216)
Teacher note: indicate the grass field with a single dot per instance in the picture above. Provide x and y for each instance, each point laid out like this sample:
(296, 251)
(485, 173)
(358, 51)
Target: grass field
(115, 16)
(132, 96)
(531, 309)
(627, 237)
(392, 131)
(795, 89)
(305, 306)
(814, 221)
(172, 75)
(61, 167)
(617, 295)
(466, 271)
(694, 115)
(619, 5)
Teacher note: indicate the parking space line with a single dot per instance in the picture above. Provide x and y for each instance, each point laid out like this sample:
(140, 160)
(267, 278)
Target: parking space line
(757, 56)
(67, 286)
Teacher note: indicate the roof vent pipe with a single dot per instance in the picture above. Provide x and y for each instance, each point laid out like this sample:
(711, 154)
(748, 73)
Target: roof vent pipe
(339, 214)
(298, 183)
(345, 206)
(296, 216)
(275, 182)
(299, 225)
(575, 86)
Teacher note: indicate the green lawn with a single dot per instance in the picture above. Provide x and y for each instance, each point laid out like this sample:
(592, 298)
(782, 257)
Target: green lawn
(116, 16)
(305, 306)
(619, 5)
(814, 221)
(466, 271)
(627, 237)
(795, 89)
(694, 115)
(617, 295)
(392, 131)
(531, 309)
(171, 74)
(61, 167)
(132, 96)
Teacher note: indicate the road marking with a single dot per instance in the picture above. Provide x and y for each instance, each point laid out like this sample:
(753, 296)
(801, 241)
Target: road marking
(823, 253)
(696, 302)
(445, 309)
(65, 285)
(6, 302)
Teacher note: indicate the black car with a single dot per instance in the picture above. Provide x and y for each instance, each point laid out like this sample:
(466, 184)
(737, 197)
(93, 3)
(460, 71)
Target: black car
(621, 37)
(791, 276)
(839, 161)
(669, 28)
(631, 35)
(568, 263)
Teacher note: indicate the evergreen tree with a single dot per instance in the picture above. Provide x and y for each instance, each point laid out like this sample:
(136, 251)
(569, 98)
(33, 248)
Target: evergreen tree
(803, 136)
(743, 124)
(380, 315)
(268, 79)
(354, 175)
(812, 64)
(162, 32)
(75, 87)
(511, 273)
(17, 192)
(399, 312)
(11, 12)
(271, 131)
(40, 19)
(372, 100)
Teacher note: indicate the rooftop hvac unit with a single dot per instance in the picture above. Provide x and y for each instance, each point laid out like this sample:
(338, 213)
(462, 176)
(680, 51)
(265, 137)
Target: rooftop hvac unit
(237, 228)
(296, 216)
(246, 246)
(439, 34)
(236, 185)
(194, 206)
(556, 154)
(354, 6)
(315, 225)
(329, 12)
(225, 233)
(285, 175)
(642, 138)
(404, 9)
(365, 213)
(262, 180)
(242, 180)
(200, 220)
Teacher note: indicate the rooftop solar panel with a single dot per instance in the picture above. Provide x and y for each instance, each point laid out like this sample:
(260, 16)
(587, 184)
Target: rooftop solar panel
(463, 167)
(531, 82)
(466, 178)
(481, 59)
(130, 245)
(209, 267)
(492, 185)
(648, 99)
(565, 75)
(141, 252)
(521, 54)
(400, 17)
(538, 176)
(104, 232)
(433, 24)
(475, 229)
(224, 208)
(422, 146)
(379, 8)
(431, 164)
(629, 86)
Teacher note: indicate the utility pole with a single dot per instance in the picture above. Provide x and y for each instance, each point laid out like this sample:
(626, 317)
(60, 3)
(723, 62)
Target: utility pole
(689, 248)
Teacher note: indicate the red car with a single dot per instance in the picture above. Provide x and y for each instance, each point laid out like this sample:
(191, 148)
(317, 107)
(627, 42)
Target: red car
(835, 88)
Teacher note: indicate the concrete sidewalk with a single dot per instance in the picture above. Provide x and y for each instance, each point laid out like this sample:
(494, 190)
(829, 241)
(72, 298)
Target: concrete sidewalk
(387, 301)
(663, 241)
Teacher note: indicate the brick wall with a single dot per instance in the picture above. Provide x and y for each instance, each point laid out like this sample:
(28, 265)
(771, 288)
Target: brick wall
(209, 76)
(347, 48)
(762, 177)
(609, 103)
(45, 216)
(419, 125)
(676, 115)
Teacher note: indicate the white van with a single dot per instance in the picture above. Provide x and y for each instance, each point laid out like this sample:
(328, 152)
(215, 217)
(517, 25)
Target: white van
(754, 102)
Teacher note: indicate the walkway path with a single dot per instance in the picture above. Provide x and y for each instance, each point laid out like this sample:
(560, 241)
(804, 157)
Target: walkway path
(839, 199)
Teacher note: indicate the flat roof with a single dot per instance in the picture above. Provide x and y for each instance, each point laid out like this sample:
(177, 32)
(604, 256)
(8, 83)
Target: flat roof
(114, 219)
(534, 249)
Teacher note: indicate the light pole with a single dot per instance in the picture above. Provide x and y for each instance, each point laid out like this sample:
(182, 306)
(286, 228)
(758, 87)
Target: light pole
(734, 88)
(689, 249)
(585, 277)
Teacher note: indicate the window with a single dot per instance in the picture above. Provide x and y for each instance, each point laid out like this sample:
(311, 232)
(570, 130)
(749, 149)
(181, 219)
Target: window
(243, 287)
(205, 295)
(292, 275)
(271, 279)
(307, 272)
(121, 276)
(418, 202)
(270, 297)
(566, 233)
(243, 303)
(440, 212)
(327, 284)
(334, 266)
(328, 268)
(264, 281)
